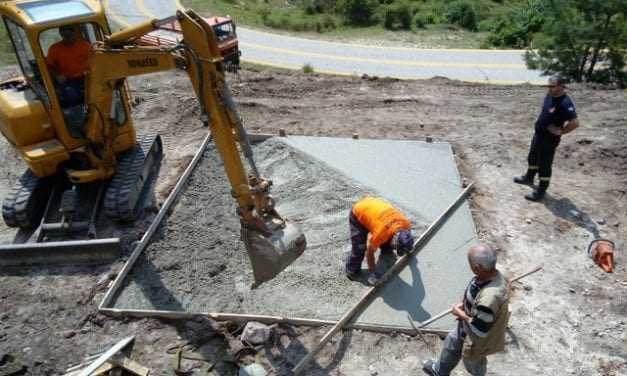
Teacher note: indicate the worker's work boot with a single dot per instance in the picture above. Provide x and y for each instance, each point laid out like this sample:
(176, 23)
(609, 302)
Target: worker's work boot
(536, 195)
(526, 179)
(428, 367)
(353, 276)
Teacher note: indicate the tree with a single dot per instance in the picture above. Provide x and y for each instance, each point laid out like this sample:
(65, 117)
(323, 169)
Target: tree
(358, 12)
(583, 40)
(462, 13)
(517, 27)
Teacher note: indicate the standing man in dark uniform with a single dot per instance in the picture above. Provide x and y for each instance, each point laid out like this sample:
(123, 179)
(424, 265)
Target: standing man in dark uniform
(558, 117)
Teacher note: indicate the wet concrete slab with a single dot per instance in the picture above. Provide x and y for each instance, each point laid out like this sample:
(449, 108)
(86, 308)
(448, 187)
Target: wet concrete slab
(196, 263)
(423, 177)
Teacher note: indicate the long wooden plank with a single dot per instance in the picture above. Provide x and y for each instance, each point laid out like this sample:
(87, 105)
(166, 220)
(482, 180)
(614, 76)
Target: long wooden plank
(397, 267)
(87, 371)
(243, 318)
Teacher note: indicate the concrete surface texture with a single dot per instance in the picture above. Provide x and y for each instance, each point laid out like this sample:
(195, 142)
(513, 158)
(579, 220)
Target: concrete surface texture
(197, 262)
(423, 178)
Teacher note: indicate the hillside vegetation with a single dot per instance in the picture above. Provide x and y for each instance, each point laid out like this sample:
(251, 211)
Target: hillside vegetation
(584, 40)
(6, 50)
(480, 23)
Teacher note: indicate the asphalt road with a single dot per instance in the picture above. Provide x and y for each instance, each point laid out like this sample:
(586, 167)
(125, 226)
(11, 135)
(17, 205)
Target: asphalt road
(494, 66)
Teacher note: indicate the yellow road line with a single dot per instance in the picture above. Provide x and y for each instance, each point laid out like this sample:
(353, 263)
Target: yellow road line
(355, 74)
(387, 47)
(384, 61)
(143, 10)
(112, 14)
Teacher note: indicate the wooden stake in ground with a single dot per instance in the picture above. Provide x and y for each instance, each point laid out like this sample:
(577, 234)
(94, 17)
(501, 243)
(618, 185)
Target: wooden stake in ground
(395, 269)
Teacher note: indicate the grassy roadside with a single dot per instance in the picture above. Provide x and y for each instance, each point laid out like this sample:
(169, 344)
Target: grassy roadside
(7, 57)
(286, 18)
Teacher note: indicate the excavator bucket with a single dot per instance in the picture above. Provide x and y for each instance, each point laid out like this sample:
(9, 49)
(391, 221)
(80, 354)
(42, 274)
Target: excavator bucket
(70, 252)
(271, 254)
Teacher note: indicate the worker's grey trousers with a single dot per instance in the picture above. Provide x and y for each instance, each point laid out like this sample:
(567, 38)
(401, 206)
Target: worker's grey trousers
(452, 353)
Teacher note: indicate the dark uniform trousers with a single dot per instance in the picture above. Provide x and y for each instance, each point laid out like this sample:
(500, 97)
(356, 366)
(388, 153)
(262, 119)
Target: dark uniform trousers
(540, 159)
(359, 240)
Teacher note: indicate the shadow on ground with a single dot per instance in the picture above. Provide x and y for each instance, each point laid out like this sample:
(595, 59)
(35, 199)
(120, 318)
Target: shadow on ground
(215, 347)
(564, 208)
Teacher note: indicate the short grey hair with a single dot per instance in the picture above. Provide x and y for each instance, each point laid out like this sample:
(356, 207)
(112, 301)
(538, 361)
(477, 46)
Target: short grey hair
(482, 255)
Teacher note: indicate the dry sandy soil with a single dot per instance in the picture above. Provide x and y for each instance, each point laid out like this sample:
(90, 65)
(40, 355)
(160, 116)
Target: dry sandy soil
(569, 319)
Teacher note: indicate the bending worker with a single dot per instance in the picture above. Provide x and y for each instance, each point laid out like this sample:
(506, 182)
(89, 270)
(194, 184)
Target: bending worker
(67, 60)
(374, 223)
(481, 318)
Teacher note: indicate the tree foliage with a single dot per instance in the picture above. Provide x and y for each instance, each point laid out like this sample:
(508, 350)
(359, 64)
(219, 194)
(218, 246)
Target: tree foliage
(358, 12)
(463, 14)
(397, 16)
(517, 27)
(583, 40)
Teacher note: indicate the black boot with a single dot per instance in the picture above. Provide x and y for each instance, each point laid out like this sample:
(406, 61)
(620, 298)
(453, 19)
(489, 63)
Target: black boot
(526, 179)
(538, 194)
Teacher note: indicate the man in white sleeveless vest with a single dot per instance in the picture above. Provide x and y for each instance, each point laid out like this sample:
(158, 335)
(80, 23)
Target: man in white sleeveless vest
(482, 318)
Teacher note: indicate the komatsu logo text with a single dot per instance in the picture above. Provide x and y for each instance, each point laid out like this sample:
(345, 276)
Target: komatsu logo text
(140, 63)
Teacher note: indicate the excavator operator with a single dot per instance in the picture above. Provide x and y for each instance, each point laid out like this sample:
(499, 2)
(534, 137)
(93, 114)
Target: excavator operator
(67, 60)
(374, 223)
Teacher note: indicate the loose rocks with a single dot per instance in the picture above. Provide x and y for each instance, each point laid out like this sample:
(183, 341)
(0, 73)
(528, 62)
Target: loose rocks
(256, 333)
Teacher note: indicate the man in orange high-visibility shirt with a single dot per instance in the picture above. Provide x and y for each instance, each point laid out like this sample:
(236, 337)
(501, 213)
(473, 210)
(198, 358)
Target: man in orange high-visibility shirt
(67, 60)
(388, 228)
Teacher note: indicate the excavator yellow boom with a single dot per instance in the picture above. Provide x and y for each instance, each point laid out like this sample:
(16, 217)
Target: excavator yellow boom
(100, 145)
(272, 242)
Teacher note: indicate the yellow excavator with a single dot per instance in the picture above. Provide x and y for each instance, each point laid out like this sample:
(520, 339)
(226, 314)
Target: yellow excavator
(85, 158)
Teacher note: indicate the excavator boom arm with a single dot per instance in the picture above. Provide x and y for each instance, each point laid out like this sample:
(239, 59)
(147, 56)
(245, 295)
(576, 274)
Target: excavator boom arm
(271, 241)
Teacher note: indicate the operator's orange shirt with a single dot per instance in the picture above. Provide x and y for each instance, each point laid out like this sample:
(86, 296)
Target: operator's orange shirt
(69, 61)
(380, 218)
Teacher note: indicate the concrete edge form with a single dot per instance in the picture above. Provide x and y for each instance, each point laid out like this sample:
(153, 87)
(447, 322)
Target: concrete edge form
(104, 306)
(154, 225)
(243, 318)
(255, 137)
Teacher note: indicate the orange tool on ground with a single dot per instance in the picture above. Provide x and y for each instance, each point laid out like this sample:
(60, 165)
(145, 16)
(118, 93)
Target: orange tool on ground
(602, 252)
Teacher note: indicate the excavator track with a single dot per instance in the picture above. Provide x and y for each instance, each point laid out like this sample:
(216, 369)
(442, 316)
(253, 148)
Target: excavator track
(128, 188)
(25, 204)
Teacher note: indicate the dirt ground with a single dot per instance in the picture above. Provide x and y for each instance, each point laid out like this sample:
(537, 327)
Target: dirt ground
(569, 319)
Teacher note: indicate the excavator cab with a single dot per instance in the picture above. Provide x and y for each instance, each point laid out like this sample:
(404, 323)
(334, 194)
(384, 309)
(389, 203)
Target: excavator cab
(74, 162)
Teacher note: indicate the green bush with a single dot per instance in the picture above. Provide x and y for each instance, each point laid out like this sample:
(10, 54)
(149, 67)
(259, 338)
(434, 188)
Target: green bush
(307, 68)
(264, 14)
(329, 22)
(420, 21)
(318, 6)
(397, 16)
(487, 25)
(358, 12)
(517, 27)
(463, 14)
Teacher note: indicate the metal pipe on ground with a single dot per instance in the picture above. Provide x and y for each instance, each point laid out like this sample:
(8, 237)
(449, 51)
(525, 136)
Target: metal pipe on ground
(394, 270)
